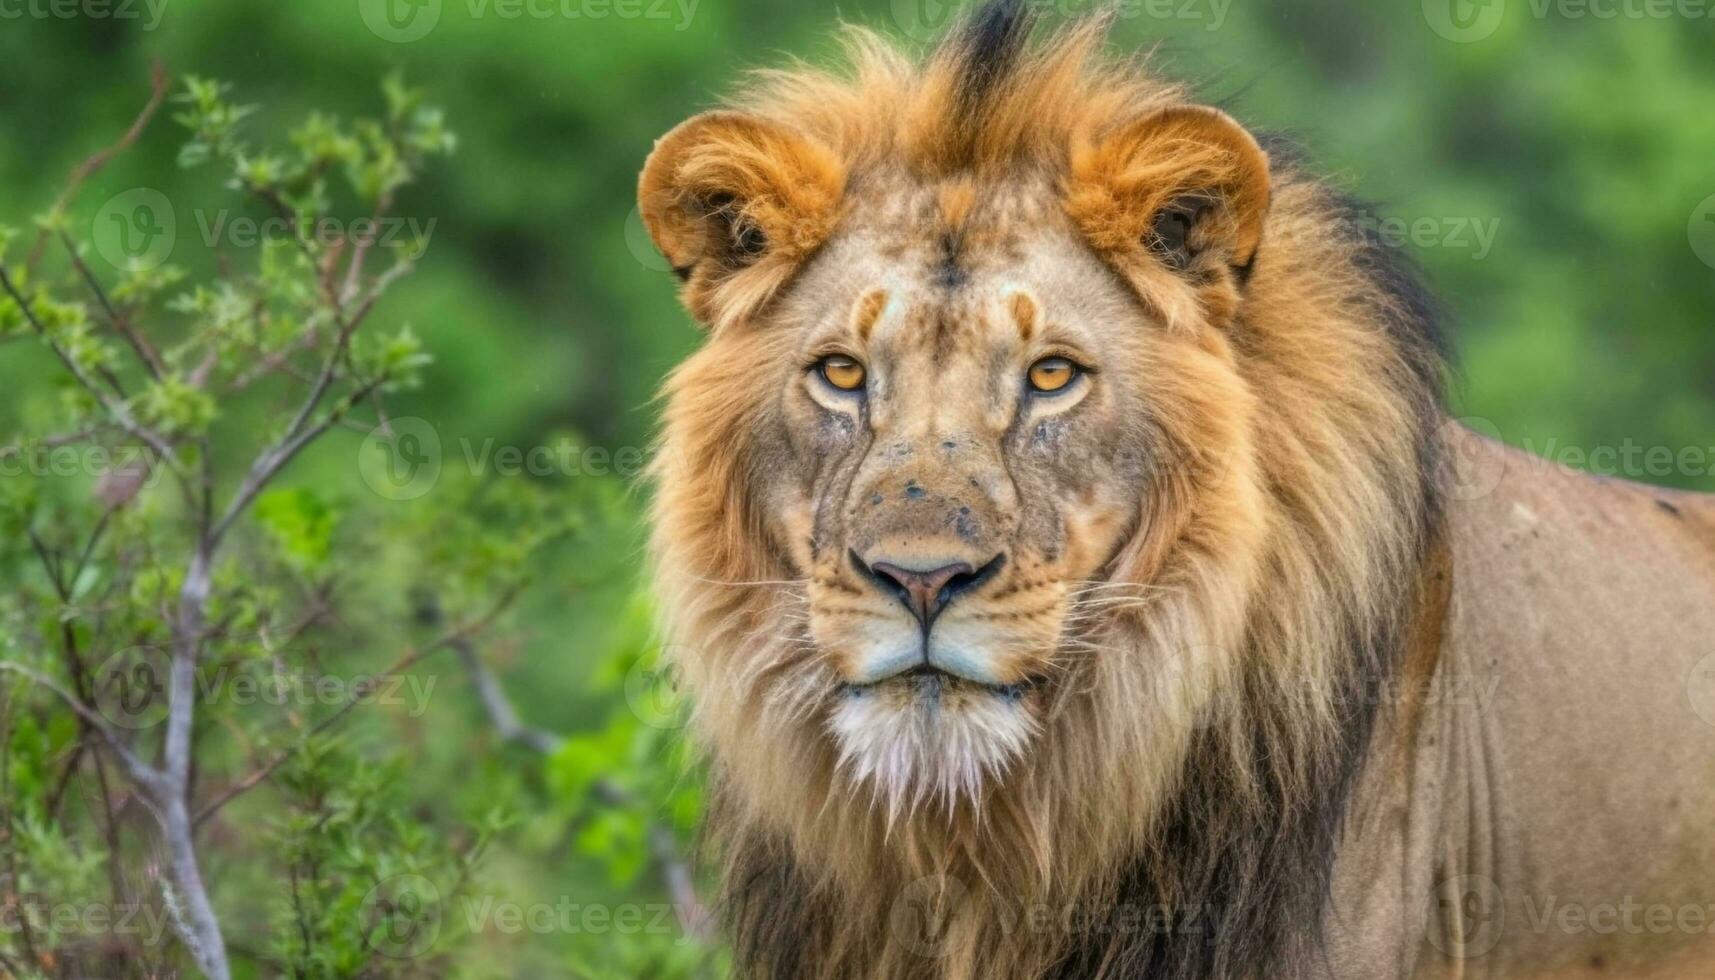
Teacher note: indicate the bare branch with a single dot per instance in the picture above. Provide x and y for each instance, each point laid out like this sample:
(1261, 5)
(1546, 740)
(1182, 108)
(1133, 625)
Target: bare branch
(140, 772)
(159, 82)
(118, 409)
(196, 920)
(354, 269)
(197, 923)
(501, 714)
(121, 323)
(9, 853)
(274, 459)
(299, 433)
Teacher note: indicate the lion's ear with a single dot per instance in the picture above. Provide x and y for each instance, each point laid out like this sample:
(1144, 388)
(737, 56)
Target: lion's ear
(725, 193)
(1187, 186)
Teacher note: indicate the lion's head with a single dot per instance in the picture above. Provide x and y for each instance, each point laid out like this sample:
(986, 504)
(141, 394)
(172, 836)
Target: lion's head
(1051, 456)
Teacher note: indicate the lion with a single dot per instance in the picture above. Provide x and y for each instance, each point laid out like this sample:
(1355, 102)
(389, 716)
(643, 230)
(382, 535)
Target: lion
(1075, 570)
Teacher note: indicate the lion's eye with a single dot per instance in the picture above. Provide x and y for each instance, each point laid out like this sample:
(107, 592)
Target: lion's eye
(1052, 374)
(842, 372)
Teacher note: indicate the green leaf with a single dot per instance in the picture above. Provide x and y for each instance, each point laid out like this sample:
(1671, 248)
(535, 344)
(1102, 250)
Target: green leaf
(300, 523)
(177, 406)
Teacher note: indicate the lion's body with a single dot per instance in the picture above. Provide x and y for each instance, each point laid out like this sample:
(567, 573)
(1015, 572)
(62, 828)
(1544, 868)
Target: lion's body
(1204, 702)
(1560, 792)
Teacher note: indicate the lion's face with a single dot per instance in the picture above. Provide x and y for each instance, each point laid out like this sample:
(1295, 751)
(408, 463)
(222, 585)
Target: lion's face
(949, 423)
(968, 429)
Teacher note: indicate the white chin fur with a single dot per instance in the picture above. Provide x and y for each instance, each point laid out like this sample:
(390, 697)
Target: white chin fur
(912, 744)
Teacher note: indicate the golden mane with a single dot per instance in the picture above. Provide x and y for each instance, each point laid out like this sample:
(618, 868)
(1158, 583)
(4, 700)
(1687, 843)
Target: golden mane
(988, 104)
(1293, 532)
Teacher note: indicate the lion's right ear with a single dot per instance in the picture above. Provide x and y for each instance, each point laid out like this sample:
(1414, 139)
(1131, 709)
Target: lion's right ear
(1177, 199)
(736, 203)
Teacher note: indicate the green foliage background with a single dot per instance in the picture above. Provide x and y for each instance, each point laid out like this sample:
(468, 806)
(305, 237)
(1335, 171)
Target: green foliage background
(1584, 143)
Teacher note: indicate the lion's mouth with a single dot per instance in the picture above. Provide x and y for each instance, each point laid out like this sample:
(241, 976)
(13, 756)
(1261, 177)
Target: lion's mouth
(928, 682)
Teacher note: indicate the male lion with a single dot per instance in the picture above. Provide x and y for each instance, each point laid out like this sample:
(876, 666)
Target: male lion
(1075, 573)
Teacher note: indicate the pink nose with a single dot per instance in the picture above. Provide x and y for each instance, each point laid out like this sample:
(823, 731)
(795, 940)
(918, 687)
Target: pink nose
(927, 593)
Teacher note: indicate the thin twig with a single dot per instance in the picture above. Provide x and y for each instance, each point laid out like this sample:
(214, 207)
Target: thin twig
(7, 848)
(121, 323)
(140, 772)
(501, 714)
(159, 83)
(663, 847)
(118, 409)
(274, 459)
(50, 442)
(354, 269)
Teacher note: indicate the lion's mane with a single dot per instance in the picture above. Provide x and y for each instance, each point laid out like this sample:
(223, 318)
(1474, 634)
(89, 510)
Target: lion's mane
(1297, 533)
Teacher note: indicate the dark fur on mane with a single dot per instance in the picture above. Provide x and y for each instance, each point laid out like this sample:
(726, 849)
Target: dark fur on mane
(986, 49)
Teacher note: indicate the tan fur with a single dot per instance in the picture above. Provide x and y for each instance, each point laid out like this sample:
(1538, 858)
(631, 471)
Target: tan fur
(1244, 484)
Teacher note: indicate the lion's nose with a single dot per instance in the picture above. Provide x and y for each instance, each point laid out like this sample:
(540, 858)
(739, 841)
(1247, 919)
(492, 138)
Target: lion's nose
(926, 592)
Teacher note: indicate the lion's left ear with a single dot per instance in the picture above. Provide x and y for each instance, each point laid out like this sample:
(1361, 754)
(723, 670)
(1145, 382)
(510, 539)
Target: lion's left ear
(1186, 186)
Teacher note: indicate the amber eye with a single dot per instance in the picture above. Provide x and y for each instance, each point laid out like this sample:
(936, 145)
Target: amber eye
(842, 372)
(1052, 374)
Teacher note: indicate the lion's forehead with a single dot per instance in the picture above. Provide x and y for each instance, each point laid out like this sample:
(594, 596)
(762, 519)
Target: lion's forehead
(913, 286)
